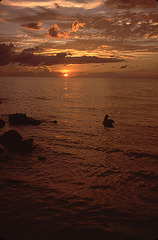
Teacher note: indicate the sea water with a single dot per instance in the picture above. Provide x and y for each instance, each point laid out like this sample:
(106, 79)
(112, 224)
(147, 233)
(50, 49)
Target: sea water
(82, 180)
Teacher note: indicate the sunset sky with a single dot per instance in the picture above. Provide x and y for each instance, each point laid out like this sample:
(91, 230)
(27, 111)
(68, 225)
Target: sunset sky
(81, 38)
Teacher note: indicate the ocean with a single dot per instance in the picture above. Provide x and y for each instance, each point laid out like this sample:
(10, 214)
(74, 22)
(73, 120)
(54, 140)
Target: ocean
(82, 180)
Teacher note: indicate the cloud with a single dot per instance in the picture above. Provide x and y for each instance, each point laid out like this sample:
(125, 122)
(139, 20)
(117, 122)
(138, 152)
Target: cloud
(54, 30)
(60, 58)
(76, 25)
(107, 46)
(6, 54)
(22, 15)
(123, 66)
(27, 57)
(127, 4)
(125, 25)
(32, 26)
(57, 5)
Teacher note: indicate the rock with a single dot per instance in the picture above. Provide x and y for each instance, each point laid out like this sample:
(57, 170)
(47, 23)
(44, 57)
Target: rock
(4, 158)
(3, 154)
(26, 146)
(55, 121)
(2, 123)
(11, 140)
(1, 149)
(42, 158)
(22, 119)
(1, 238)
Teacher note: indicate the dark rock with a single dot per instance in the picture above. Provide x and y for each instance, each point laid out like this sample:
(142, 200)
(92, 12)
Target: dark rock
(4, 158)
(11, 140)
(1, 149)
(26, 146)
(55, 121)
(1, 238)
(41, 158)
(22, 119)
(3, 154)
(2, 123)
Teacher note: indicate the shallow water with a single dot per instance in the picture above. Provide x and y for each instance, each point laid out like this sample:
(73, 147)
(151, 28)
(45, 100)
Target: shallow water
(95, 182)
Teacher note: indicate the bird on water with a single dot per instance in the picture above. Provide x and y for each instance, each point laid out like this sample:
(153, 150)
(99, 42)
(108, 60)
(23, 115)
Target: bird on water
(108, 122)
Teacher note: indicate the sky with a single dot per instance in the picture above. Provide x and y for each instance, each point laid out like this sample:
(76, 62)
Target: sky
(79, 38)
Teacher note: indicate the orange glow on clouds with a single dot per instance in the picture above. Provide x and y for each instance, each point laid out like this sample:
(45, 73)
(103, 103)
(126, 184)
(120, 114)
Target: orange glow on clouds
(55, 32)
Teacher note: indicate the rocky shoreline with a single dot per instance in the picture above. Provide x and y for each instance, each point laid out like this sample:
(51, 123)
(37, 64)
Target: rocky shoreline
(12, 141)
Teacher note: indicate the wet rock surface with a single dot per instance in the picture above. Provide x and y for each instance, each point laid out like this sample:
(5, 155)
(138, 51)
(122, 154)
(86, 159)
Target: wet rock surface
(1, 149)
(2, 123)
(55, 122)
(42, 158)
(26, 146)
(22, 119)
(12, 140)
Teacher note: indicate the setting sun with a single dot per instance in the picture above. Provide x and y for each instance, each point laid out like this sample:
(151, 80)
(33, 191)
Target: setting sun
(66, 75)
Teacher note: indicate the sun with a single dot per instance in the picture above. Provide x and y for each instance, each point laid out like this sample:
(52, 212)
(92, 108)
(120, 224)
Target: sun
(66, 75)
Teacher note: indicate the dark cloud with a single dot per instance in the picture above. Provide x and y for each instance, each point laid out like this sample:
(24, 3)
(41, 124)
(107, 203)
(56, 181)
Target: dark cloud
(57, 5)
(123, 66)
(6, 54)
(27, 57)
(127, 4)
(60, 58)
(109, 45)
(89, 59)
(61, 55)
(33, 14)
(32, 26)
(119, 25)
(55, 32)
(133, 66)
(124, 25)
(38, 1)
(31, 50)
